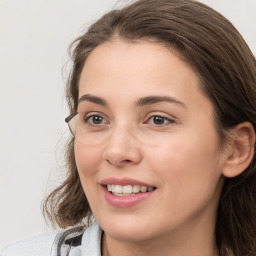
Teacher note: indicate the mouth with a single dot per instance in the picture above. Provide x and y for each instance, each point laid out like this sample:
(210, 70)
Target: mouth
(128, 190)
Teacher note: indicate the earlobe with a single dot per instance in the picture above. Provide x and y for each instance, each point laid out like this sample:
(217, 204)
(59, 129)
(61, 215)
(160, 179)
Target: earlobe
(242, 143)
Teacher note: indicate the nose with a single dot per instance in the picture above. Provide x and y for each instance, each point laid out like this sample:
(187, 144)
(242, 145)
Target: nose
(122, 149)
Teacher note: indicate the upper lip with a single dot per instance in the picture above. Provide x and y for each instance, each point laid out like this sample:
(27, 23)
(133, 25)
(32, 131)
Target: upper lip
(123, 182)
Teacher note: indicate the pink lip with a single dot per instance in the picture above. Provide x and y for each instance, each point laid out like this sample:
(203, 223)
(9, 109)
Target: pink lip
(125, 201)
(123, 182)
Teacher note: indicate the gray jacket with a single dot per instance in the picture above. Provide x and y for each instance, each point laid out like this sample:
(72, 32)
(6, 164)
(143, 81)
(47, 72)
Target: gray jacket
(73, 242)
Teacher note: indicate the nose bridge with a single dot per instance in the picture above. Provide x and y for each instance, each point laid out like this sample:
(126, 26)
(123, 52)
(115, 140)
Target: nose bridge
(122, 146)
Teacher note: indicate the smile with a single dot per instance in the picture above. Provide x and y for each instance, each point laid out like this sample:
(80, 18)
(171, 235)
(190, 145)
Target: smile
(128, 190)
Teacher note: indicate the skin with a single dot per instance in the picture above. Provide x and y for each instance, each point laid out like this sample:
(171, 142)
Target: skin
(181, 156)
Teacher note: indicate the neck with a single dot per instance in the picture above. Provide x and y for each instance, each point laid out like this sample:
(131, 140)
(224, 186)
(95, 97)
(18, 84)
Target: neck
(190, 243)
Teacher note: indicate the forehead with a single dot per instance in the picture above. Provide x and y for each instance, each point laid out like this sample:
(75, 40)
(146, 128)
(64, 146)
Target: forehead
(128, 66)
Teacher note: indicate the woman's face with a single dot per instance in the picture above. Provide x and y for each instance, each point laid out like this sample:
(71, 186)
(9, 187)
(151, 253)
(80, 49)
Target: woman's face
(144, 122)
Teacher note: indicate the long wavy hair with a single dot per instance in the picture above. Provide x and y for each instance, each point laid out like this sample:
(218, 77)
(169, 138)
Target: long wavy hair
(227, 70)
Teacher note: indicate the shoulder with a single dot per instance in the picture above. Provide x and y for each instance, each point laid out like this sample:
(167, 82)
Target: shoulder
(39, 245)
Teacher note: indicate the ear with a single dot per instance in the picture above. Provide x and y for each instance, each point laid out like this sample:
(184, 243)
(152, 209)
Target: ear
(242, 142)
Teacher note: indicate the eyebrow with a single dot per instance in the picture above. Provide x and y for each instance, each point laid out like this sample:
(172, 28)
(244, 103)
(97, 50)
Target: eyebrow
(150, 100)
(93, 99)
(145, 101)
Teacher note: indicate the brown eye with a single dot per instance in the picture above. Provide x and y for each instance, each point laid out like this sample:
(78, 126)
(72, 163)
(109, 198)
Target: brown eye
(159, 120)
(96, 120)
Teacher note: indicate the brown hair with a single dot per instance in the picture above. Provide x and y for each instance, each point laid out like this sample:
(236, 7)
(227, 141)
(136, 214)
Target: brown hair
(227, 69)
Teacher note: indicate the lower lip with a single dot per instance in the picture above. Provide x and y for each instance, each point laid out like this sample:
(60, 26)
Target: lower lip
(125, 201)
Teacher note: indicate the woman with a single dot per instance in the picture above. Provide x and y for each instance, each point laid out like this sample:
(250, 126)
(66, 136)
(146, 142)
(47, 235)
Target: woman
(162, 99)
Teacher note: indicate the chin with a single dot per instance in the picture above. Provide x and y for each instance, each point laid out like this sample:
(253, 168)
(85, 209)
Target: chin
(128, 229)
(128, 235)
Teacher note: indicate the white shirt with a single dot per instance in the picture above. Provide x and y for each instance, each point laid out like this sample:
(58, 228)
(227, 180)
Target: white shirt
(46, 245)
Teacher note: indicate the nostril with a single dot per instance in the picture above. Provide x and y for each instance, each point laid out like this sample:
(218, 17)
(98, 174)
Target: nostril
(119, 163)
(127, 161)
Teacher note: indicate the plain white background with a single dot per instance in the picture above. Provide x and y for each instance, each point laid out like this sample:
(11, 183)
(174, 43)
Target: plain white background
(34, 37)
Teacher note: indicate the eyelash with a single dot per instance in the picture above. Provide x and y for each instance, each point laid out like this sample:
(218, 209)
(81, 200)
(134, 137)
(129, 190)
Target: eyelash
(166, 120)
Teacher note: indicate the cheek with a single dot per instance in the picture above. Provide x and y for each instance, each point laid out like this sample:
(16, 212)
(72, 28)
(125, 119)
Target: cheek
(87, 161)
(187, 163)
(188, 177)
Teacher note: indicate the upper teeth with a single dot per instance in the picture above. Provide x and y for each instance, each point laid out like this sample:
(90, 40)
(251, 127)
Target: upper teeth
(128, 189)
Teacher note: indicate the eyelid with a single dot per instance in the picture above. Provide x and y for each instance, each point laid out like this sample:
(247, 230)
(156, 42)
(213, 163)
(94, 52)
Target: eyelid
(92, 113)
(162, 114)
